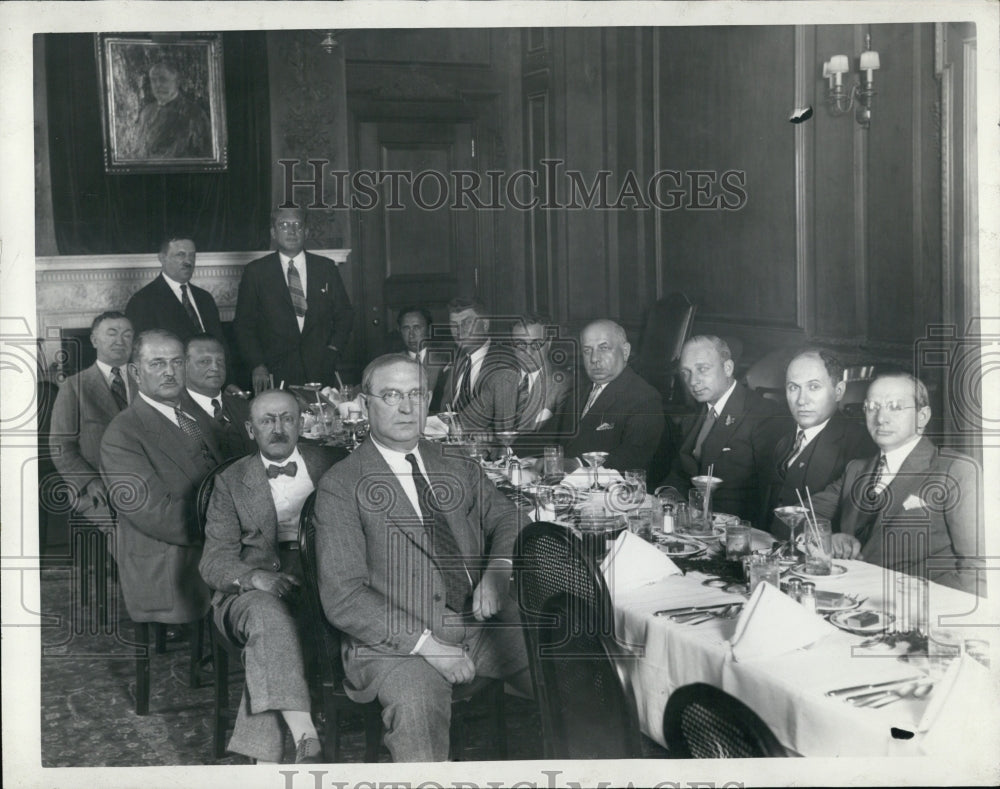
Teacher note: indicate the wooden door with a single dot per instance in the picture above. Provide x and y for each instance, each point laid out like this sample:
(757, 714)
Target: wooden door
(413, 252)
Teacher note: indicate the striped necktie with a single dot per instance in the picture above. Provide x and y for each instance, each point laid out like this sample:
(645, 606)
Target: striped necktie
(800, 438)
(188, 425)
(118, 388)
(872, 502)
(190, 310)
(706, 428)
(594, 394)
(295, 288)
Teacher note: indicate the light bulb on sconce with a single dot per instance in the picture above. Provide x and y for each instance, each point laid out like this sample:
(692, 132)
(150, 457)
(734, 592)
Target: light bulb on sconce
(329, 43)
(841, 99)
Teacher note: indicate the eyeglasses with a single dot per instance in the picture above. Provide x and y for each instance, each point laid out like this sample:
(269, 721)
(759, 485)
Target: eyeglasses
(523, 345)
(892, 406)
(289, 225)
(393, 397)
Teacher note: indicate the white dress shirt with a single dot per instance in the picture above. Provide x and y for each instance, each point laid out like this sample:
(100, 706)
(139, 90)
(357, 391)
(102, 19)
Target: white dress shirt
(205, 402)
(163, 408)
(476, 364)
(719, 404)
(176, 288)
(300, 267)
(106, 372)
(894, 459)
(808, 434)
(289, 494)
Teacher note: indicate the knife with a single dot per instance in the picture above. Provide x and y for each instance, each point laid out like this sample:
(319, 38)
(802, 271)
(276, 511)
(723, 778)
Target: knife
(690, 609)
(874, 686)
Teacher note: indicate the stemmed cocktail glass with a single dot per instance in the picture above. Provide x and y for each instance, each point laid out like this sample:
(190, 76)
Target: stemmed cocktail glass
(595, 460)
(793, 517)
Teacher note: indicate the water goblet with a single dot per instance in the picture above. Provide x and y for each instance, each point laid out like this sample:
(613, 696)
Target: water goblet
(595, 460)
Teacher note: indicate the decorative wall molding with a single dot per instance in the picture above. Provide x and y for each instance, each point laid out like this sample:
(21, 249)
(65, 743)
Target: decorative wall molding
(71, 290)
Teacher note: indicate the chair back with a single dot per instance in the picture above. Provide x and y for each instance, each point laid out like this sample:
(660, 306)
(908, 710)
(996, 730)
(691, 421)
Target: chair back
(703, 722)
(204, 494)
(587, 707)
(766, 376)
(324, 637)
(668, 324)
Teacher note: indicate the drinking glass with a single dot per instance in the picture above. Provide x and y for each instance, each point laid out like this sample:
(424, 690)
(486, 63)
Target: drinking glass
(818, 544)
(704, 487)
(911, 604)
(762, 568)
(737, 539)
(696, 510)
(640, 523)
(635, 478)
(682, 518)
(793, 517)
(944, 644)
(506, 437)
(552, 462)
(595, 460)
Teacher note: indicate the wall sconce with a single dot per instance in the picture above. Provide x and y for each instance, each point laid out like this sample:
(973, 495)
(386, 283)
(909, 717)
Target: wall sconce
(329, 43)
(839, 98)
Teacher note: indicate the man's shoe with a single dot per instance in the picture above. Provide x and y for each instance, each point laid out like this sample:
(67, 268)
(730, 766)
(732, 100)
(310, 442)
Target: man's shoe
(308, 751)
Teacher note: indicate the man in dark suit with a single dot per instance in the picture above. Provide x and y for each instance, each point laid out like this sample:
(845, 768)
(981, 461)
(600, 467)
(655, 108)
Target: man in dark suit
(912, 507)
(85, 406)
(170, 301)
(735, 433)
(543, 386)
(251, 560)
(415, 324)
(480, 385)
(154, 456)
(204, 375)
(413, 549)
(619, 413)
(293, 316)
(815, 454)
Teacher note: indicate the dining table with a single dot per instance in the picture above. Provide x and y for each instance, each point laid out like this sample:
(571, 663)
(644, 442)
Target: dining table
(788, 691)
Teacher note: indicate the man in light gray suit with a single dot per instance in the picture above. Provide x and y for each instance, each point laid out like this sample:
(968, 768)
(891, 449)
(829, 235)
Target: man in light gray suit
(154, 456)
(85, 406)
(413, 551)
(251, 560)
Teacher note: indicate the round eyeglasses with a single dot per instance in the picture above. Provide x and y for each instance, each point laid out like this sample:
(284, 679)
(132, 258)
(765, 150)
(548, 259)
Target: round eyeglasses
(393, 397)
(892, 406)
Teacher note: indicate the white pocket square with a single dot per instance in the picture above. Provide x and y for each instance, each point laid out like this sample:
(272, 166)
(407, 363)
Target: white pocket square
(913, 502)
(606, 426)
(727, 449)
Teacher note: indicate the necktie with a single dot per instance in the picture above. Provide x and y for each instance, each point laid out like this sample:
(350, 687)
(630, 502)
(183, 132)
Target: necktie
(800, 437)
(463, 374)
(188, 425)
(289, 469)
(521, 399)
(594, 394)
(706, 428)
(216, 408)
(446, 549)
(118, 388)
(189, 308)
(872, 502)
(295, 288)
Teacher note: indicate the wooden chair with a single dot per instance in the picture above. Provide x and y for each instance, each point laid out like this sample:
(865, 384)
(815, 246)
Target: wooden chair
(668, 325)
(766, 376)
(703, 722)
(587, 707)
(325, 639)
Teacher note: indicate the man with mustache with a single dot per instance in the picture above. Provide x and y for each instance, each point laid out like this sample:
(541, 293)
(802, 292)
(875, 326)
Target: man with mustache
(154, 456)
(251, 560)
(170, 301)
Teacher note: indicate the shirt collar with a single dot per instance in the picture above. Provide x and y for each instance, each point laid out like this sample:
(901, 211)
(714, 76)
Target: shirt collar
(477, 355)
(106, 370)
(175, 286)
(296, 456)
(396, 459)
(204, 401)
(721, 402)
(895, 458)
(163, 408)
(300, 260)
(812, 432)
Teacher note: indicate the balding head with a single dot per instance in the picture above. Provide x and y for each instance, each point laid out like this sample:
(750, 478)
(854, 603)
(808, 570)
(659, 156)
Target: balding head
(605, 350)
(274, 423)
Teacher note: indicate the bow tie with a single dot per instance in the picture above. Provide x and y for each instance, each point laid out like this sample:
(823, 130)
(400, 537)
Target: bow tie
(273, 471)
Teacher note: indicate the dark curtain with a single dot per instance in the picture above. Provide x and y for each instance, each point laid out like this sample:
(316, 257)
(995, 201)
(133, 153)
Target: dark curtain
(100, 213)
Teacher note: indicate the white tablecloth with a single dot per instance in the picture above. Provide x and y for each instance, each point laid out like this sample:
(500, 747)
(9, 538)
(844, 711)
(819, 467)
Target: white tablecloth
(787, 692)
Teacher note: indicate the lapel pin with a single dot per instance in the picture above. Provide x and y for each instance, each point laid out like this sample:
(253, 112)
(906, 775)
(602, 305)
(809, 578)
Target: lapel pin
(730, 419)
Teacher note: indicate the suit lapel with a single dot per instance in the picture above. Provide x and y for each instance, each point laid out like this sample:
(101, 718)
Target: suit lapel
(277, 286)
(258, 497)
(315, 285)
(96, 391)
(726, 423)
(167, 437)
(171, 303)
(910, 477)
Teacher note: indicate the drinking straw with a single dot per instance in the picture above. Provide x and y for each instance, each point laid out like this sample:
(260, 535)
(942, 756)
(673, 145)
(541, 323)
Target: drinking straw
(340, 383)
(819, 541)
(282, 384)
(708, 495)
(809, 523)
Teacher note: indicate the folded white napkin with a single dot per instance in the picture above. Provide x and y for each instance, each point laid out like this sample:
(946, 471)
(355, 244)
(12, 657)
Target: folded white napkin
(584, 477)
(771, 623)
(953, 720)
(633, 563)
(434, 427)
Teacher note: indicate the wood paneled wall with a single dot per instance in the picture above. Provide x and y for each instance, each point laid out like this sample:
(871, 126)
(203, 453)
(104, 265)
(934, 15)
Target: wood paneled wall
(839, 237)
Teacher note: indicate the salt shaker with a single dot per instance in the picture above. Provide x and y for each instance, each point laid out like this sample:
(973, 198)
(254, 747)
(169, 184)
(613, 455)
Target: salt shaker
(668, 518)
(808, 596)
(794, 589)
(515, 473)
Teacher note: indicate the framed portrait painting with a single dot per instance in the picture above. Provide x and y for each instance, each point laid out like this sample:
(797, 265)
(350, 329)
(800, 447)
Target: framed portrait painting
(162, 102)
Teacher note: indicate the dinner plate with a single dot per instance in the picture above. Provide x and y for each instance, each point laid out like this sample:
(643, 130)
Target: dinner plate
(840, 618)
(835, 570)
(834, 602)
(678, 549)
